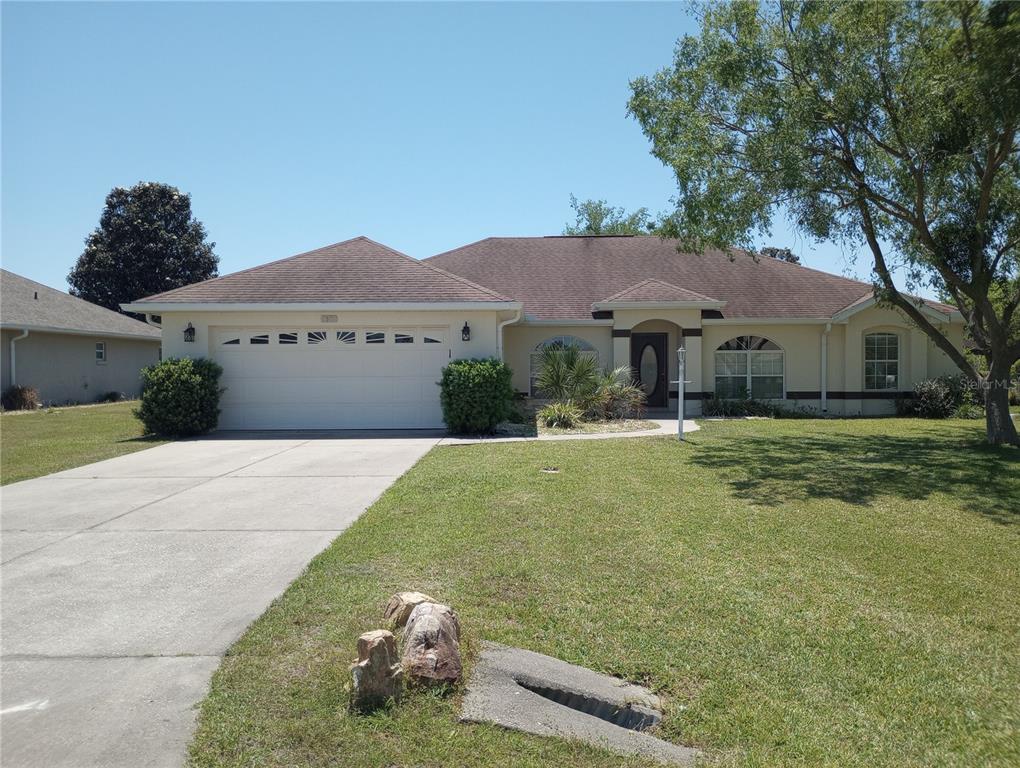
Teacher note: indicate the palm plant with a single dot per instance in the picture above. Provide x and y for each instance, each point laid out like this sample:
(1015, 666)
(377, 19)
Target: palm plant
(566, 373)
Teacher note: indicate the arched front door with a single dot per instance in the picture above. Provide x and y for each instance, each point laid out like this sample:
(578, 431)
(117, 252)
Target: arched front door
(648, 359)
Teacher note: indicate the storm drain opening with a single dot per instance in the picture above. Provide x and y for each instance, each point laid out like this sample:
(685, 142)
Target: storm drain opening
(629, 716)
(530, 692)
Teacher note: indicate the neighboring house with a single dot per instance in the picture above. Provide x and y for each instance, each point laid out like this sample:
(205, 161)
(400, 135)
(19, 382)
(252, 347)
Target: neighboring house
(356, 334)
(68, 349)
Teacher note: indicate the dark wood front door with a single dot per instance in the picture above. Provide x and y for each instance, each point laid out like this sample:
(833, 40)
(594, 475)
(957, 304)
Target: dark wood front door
(648, 359)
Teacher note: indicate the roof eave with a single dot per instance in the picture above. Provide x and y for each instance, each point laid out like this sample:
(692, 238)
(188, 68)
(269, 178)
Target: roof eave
(161, 307)
(606, 305)
(934, 314)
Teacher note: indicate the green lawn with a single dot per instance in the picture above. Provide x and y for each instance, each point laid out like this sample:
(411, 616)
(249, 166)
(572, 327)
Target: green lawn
(49, 440)
(801, 593)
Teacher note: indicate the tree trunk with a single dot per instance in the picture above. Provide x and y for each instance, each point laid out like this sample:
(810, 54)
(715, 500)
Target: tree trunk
(1000, 426)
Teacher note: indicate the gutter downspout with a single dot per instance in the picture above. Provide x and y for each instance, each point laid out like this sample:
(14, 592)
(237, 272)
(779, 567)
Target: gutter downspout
(499, 332)
(825, 367)
(14, 380)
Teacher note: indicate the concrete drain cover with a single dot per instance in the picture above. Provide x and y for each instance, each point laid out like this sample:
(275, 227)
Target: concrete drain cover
(527, 691)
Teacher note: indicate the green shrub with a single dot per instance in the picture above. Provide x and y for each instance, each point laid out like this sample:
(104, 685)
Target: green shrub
(969, 411)
(476, 395)
(562, 415)
(180, 397)
(716, 407)
(17, 398)
(939, 398)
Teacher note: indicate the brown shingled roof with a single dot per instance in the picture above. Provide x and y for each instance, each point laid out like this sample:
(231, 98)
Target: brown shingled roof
(356, 271)
(655, 290)
(561, 277)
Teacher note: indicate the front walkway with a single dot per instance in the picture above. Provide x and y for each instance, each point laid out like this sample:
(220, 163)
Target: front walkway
(666, 427)
(124, 581)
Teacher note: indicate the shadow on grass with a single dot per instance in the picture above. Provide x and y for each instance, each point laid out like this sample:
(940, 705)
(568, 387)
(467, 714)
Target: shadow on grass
(857, 469)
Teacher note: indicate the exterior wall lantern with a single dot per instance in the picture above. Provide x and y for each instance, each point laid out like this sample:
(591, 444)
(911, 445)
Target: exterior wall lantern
(189, 333)
(465, 332)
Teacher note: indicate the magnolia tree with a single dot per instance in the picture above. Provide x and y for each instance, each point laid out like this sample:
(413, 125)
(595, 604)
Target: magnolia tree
(891, 124)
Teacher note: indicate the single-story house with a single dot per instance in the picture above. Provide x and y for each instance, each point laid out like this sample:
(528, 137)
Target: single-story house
(356, 334)
(68, 349)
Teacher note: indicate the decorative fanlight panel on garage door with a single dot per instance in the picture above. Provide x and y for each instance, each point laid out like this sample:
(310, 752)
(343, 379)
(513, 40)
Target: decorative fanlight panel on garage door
(331, 377)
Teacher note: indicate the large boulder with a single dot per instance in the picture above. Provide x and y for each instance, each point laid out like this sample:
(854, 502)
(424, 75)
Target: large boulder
(377, 674)
(399, 608)
(432, 645)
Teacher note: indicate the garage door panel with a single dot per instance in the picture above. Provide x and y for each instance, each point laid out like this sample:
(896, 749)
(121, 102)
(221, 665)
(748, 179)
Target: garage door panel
(329, 385)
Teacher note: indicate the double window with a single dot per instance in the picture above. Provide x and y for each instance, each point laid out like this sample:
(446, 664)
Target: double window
(881, 361)
(749, 366)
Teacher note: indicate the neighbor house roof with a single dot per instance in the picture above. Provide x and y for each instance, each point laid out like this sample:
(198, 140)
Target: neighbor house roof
(354, 271)
(28, 305)
(561, 277)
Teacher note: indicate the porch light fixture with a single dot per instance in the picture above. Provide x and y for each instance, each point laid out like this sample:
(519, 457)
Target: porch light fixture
(465, 332)
(189, 333)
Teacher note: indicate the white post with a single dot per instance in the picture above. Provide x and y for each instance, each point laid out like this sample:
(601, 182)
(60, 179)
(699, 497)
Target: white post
(682, 364)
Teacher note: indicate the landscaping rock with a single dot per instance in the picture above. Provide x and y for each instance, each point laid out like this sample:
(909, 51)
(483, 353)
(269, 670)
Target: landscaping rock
(399, 608)
(432, 645)
(377, 674)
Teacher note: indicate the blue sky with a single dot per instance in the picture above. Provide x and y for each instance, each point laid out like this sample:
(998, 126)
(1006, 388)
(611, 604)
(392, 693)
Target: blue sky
(423, 126)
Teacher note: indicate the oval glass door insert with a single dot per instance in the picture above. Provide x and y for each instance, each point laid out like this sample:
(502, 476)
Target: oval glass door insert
(648, 369)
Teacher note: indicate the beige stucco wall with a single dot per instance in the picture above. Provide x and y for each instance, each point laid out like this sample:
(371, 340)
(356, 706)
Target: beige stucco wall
(484, 326)
(801, 342)
(521, 340)
(64, 369)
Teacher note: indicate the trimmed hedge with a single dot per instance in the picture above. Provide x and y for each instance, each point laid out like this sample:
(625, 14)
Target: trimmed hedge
(180, 397)
(476, 395)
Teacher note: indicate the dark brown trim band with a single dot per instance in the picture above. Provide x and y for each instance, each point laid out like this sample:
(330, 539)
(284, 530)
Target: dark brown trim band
(621, 333)
(688, 395)
(689, 332)
(602, 314)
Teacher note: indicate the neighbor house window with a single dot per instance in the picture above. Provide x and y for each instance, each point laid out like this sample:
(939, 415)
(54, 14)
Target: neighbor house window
(881, 361)
(557, 342)
(100, 351)
(749, 366)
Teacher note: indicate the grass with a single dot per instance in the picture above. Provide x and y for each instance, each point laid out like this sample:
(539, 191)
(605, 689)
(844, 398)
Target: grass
(37, 443)
(801, 593)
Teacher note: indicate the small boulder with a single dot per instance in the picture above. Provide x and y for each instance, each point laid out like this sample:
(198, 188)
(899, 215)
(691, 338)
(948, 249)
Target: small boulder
(399, 608)
(377, 674)
(432, 645)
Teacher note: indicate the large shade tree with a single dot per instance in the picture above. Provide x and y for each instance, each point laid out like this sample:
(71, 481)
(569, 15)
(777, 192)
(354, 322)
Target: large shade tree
(147, 242)
(890, 123)
(598, 217)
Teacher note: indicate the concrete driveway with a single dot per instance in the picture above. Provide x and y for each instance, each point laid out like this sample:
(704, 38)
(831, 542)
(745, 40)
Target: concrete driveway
(124, 581)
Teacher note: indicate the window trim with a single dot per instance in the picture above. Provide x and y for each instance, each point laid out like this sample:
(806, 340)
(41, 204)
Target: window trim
(99, 351)
(864, 359)
(748, 375)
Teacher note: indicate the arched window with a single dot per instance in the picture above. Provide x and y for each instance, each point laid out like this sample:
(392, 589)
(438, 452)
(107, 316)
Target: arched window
(749, 366)
(557, 342)
(881, 361)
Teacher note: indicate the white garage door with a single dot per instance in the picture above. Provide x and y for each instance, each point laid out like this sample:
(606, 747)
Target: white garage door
(331, 377)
